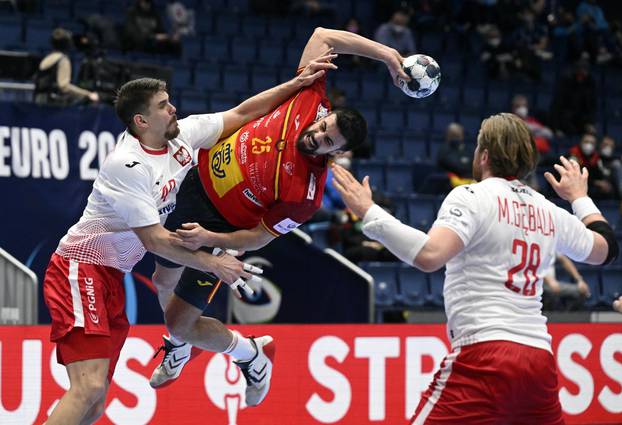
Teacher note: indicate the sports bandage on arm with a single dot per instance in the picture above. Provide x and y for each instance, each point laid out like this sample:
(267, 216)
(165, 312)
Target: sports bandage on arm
(584, 206)
(402, 240)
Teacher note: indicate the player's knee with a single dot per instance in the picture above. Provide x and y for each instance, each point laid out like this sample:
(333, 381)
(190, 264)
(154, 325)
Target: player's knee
(165, 278)
(91, 389)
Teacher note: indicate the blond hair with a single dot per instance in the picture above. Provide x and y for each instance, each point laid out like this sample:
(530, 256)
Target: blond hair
(511, 148)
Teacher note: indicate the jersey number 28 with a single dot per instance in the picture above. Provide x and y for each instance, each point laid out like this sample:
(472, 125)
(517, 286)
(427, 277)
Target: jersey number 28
(530, 267)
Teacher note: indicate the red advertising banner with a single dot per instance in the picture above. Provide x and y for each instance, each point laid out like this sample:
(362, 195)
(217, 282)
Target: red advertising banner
(324, 374)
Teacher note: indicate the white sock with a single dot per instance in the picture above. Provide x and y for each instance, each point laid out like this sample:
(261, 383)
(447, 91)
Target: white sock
(240, 348)
(175, 341)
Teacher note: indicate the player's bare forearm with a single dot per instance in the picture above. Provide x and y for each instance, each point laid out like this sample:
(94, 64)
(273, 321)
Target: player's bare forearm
(243, 240)
(160, 241)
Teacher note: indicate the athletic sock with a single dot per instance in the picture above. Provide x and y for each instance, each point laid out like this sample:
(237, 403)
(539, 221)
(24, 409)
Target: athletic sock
(241, 348)
(175, 341)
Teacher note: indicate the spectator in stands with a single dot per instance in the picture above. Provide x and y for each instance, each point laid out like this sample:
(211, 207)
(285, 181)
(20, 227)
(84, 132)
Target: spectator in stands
(541, 133)
(587, 156)
(312, 8)
(53, 78)
(181, 19)
(574, 102)
(144, 30)
(595, 29)
(567, 31)
(455, 157)
(610, 165)
(395, 33)
(564, 295)
(531, 43)
(497, 54)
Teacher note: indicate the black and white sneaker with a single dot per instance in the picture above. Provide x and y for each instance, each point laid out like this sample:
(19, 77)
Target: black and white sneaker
(258, 370)
(169, 369)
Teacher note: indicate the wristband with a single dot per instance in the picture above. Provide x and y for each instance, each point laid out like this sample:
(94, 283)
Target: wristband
(584, 206)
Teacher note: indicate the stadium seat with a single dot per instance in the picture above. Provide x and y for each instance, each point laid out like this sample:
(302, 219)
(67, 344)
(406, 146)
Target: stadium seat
(222, 101)
(422, 211)
(392, 118)
(387, 145)
(471, 124)
(473, 97)
(235, 78)
(399, 176)
(440, 121)
(372, 87)
(192, 49)
(611, 211)
(238, 6)
(227, 25)
(413, 286)
(592, 276)
(385, 282)
(373, 169)
(244, 51)
(207, 77)
(262, 79)
(418, 121)
(345, 81)
(38, 35)
(216, 49)
(182, 78)
(414, 148)
(448, 96)
(270, 53)
(498, 99)
(369, 112)
(437, 282)
(399, 206)
(254, 27)
(279, 29)
(193, 103)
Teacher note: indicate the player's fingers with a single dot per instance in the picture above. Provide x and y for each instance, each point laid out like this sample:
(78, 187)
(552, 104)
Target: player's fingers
(403, 75)
(584, 173)
(252, 269)
(254, 279)
(342, 190)
(575, 165)
(561, 170)
(247, 289)
(551, 179)
(315, 76)
(190, 225)
(366, 183)
(565, 162)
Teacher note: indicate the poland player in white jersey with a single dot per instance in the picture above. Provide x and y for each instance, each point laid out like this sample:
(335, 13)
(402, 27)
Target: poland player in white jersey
(497, 238)
(132, 195)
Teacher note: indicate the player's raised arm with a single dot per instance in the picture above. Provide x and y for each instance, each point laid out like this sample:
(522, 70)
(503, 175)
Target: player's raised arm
(572, 187)
(345, 42)
(266, 101)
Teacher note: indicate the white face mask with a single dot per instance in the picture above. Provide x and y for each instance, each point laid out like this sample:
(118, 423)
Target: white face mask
(522, 111)
(344, 161)
(494, 42)
(607, 151)
(587, 148)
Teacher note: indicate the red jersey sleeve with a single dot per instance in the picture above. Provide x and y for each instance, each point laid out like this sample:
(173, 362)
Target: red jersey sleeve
(284, 217)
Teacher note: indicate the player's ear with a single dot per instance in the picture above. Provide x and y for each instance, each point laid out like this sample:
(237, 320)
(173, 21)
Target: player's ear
(139, 121)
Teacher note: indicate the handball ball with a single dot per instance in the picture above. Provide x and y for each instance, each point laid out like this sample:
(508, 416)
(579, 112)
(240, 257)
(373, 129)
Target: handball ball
(425, 76)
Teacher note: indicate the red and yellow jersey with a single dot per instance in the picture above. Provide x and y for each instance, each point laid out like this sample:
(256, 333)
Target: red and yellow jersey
(257, 175)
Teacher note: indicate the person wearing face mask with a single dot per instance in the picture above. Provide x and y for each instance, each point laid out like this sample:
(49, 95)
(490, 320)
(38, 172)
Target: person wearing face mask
(610, 166)
(395, 33)
(497, 55)
(586, 154)
(455, 156)
(541, 133)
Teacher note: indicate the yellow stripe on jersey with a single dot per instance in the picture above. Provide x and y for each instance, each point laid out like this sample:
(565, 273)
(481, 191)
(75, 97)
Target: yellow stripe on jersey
(280, 147)
(269, 229)
(224, 169)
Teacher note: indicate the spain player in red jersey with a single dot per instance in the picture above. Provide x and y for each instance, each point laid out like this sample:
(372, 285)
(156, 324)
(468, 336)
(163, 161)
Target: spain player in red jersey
(261, 182)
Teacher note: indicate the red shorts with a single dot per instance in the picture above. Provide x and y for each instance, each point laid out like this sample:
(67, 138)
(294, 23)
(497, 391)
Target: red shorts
(493, 383)
(87, 305)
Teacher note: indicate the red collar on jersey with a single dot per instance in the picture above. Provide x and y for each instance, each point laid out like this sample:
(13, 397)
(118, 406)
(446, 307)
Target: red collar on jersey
(161, 151)
(510, 178)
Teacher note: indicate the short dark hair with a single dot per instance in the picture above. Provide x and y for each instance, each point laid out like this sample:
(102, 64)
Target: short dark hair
(61, 40)
(134, 97)
(352, 126)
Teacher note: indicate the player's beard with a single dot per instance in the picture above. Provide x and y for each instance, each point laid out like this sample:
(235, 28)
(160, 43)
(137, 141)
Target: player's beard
(301, 143)
(170, 134)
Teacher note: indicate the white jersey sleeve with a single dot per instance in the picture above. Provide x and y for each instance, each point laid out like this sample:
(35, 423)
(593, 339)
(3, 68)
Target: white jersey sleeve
(574, 239)
(128, 191)
(201, 131)
(460, 212)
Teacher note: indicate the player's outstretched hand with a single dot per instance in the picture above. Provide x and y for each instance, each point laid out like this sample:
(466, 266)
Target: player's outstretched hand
(229, 269)
(617, 305)
(572, 183)
(192, 236)
(240, 283)
(355, 195)
(394, 63)
(316, 68)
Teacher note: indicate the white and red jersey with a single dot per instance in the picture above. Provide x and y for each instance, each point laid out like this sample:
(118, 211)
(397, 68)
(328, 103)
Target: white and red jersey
(136, 187)
(511, 235)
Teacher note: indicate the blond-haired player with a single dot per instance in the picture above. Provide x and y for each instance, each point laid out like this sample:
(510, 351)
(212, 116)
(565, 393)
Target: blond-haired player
(497, 239)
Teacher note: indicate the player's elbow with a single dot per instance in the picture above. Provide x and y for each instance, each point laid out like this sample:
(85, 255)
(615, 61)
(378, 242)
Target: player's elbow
(427, 262)
(321, 34)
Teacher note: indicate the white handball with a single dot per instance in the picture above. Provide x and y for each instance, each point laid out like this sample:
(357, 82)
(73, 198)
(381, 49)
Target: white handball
(425, 76)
